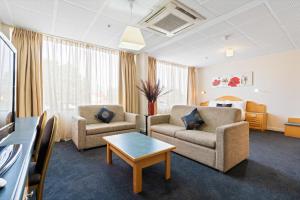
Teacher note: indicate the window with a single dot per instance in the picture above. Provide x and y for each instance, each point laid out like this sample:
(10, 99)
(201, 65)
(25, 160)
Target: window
(77, 74)
(173, 77)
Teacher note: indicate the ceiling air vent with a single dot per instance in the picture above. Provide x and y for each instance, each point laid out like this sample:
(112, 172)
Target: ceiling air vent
(171, 18)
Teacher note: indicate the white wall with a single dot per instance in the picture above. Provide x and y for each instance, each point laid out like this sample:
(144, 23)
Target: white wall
(277, 76)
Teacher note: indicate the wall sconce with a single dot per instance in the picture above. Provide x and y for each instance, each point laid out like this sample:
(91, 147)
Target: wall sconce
(203, 92)
(256, 90)
(229, 52)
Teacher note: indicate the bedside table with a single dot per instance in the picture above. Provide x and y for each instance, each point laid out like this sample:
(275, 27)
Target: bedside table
(257, 120)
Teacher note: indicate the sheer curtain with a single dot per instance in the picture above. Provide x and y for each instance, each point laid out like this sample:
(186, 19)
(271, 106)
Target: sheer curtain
(76, 74)
(173, 77)
(6, 79)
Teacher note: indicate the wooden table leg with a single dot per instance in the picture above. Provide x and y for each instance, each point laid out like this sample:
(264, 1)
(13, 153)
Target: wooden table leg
(108, 154)
(137, 178)
(168, 165)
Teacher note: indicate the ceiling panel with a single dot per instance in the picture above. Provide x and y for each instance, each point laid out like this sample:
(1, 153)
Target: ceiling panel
(105, 29)
(284, 5)
(154, 40)
(5, 16)
(216, 29)
(70, 24)
(265, 31)
(221, 7)
(43, 7)
(288, 13)
(259, 28)
(92, 5)
(34, 20)
(120, 10)
(70, 13)
(190, 41)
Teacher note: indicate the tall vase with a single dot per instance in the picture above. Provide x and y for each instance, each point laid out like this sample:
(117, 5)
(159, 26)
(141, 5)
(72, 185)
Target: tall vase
(151, 108)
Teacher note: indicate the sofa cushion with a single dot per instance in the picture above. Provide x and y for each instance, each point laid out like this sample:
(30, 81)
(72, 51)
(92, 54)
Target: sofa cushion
(92, 129)
(192, 120)
(105, 115)
(89, 111)
(198, 137)
(166, 129)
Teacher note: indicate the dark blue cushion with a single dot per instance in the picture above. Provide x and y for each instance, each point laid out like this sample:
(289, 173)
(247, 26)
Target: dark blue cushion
(105, 115)
(192, 120)
(229, 105)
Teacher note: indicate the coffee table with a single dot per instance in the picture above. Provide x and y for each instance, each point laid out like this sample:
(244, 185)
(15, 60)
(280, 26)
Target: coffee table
(139, 151)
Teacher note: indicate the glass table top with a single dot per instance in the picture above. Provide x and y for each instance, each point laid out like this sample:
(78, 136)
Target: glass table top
(137, 145)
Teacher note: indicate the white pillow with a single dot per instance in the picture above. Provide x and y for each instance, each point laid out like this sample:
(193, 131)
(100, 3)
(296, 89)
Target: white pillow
(212, 103)
(239, 104)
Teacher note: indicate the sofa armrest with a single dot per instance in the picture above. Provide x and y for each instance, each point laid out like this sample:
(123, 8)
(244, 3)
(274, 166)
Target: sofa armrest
(131, 117)
(79, 131)
(232, 145)
(157, 119)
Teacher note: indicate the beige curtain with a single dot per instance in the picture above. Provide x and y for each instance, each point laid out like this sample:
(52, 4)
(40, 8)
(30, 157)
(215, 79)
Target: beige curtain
(128, 92)
(152, 78)
(192, 86)
(29, 72)
(152, 70)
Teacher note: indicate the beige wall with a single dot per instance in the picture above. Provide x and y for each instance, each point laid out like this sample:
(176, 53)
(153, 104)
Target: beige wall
(277, 76)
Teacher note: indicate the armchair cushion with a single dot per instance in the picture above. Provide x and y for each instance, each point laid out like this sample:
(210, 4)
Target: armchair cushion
(92, 129)
(89, 111)
(198, 137)
(105, 115)
(167, 129)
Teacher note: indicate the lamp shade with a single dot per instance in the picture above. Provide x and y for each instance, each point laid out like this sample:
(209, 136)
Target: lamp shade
(132, 39)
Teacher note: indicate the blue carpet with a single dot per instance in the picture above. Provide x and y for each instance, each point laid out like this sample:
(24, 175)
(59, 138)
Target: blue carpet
(271, 172)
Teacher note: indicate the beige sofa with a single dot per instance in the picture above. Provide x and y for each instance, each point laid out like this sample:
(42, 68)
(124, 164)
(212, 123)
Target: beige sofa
(221, 143)
(87, 131)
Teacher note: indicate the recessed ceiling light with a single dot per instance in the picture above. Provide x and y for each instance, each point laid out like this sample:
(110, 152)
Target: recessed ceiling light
(229, 52)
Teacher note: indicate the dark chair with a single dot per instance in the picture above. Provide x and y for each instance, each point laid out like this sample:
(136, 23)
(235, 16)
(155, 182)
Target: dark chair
(38, 169)
(39, 133)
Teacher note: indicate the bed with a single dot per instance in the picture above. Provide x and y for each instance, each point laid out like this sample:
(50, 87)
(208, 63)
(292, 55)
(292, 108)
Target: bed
(250, 107)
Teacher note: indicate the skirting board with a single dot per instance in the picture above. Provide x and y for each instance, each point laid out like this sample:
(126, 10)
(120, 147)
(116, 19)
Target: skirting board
(277, 129)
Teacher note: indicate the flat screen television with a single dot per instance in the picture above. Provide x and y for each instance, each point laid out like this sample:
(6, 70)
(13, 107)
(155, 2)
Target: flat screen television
(7, 86)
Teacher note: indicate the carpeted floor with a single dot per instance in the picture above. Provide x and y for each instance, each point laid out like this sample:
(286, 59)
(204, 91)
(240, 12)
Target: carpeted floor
(271, 172)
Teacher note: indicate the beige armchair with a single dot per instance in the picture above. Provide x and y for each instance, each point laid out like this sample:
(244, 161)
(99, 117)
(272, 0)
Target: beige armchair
(87, 131)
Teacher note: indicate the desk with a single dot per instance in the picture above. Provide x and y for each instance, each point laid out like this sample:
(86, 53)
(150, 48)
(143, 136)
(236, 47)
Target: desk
(292, 127)
(25, 133)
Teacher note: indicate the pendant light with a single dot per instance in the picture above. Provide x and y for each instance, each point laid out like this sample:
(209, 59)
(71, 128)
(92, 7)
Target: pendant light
(132, 38)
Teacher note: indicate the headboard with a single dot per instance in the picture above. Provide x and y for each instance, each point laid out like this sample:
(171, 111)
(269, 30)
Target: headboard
(251, 106)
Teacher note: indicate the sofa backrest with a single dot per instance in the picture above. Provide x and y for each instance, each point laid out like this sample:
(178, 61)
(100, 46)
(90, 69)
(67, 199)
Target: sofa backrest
(215, 117)
(89, 111)
(212, 116)
(177, 112)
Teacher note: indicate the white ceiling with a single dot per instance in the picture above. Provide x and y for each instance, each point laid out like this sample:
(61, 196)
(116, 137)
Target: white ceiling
(256, 27)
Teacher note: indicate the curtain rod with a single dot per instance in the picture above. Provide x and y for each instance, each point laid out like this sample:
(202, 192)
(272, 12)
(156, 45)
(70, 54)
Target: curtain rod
(63, 38)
